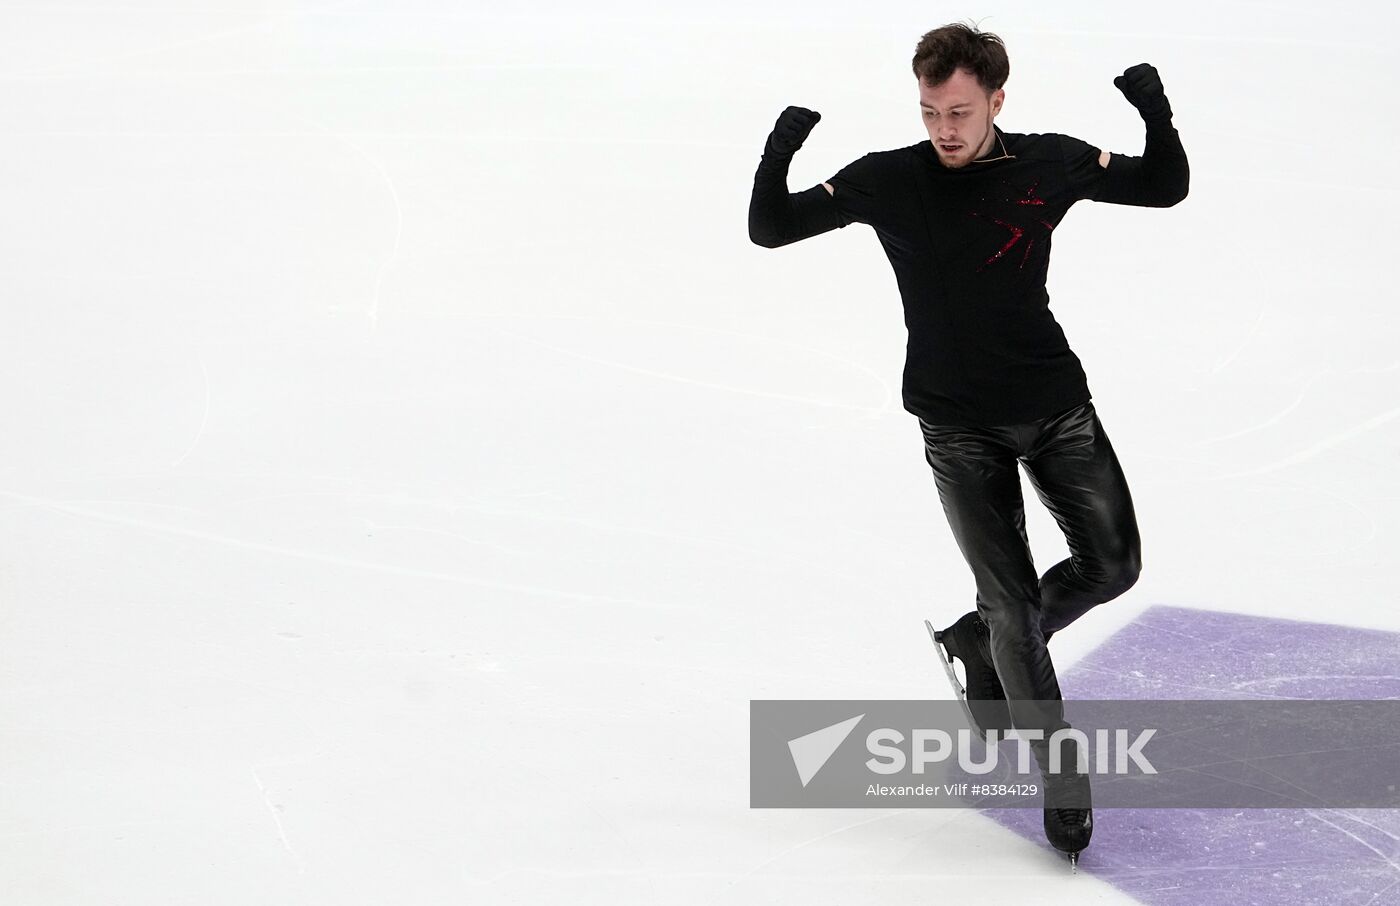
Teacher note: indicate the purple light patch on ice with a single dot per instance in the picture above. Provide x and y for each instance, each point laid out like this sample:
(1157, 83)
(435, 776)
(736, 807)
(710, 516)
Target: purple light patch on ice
(1266, 856)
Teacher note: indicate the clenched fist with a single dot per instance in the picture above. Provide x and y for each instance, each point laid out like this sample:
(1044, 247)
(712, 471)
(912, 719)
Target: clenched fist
(1142, 87)
(791, 130)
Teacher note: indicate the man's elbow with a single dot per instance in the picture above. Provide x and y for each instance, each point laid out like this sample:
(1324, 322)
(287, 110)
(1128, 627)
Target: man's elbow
(1180, 195)
(1167, 196)
(761, 229)
(763, 239)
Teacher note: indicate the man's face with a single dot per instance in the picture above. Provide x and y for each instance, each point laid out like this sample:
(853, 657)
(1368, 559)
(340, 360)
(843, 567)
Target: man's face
(958, 115)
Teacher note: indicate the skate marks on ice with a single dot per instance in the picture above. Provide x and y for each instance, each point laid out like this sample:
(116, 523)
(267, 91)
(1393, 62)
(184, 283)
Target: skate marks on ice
(1276, 856)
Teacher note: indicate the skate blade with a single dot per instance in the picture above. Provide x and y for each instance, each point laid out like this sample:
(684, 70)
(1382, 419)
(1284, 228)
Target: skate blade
(958, 689)
(1074, 863)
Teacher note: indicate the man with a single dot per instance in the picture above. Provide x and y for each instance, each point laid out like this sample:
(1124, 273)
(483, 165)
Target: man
(965, 219)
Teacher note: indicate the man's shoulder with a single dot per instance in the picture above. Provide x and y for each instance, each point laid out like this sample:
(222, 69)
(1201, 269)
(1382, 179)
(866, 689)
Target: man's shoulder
(894, 160)
(875, 166)
(893, 156)
(1043, 145)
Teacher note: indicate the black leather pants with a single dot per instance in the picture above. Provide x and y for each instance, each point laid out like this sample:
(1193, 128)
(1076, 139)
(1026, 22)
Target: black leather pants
(1072, 466)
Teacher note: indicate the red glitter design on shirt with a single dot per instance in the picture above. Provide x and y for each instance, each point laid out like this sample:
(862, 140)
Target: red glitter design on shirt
(1017, 231)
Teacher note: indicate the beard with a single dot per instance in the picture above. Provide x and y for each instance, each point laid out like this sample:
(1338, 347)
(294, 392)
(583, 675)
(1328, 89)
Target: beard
(966, 152)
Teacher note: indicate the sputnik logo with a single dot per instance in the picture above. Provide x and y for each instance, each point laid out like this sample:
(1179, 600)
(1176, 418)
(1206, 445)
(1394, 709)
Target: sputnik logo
(815, 749)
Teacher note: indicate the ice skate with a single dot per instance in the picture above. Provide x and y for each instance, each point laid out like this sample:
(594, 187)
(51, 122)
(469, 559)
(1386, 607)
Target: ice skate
(982, 700)
(1069, 815)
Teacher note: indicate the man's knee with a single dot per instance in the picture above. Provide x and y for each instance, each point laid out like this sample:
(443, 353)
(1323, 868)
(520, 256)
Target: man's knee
(1111, 570)
(1122, 572)
(1014, 624)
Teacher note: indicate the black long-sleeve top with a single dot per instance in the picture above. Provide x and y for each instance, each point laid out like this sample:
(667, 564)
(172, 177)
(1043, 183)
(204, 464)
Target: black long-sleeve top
(970, 248)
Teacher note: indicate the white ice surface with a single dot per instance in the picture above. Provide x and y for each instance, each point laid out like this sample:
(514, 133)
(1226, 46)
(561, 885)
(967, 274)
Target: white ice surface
(410, 471)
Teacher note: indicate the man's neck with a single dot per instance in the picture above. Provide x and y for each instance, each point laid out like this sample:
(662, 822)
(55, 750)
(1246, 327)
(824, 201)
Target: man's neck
(988, 146)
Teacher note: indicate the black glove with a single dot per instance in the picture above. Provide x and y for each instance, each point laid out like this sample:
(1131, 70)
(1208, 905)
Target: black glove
(791, 131)
(1142, 87)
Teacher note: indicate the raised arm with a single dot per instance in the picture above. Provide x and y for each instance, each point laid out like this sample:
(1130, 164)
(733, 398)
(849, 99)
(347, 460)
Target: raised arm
(778, 217)
(1161, 177)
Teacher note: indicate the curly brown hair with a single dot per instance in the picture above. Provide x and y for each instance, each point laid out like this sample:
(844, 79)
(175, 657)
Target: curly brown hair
(957, 46)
